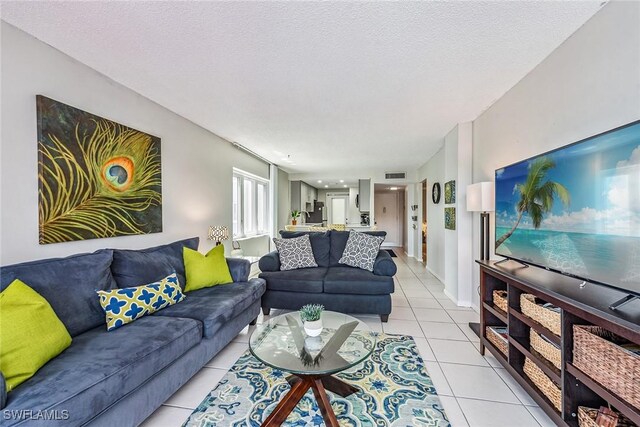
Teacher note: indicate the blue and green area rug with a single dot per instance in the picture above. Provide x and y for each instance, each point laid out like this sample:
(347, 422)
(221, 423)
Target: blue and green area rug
(396, 390)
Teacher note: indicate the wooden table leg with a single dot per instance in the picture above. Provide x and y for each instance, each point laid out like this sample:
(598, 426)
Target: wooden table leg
(323, 403)
(319, 385)
(338, 386)
(288, 403)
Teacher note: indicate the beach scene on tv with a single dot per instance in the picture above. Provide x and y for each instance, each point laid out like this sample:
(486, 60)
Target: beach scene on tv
(576, 210)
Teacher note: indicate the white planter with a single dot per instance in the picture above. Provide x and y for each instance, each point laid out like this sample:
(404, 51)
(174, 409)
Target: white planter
(314, 328)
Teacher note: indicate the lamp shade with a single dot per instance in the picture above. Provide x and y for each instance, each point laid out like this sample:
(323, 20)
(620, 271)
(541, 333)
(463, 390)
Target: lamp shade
(481, 197)
(218, 233)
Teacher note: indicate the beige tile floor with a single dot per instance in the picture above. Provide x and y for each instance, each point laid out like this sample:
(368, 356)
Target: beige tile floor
(475, 390)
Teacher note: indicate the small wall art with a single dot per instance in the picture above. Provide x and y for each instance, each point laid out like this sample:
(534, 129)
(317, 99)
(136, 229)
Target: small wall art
(450, 192)
(450, 218)
(96, 178)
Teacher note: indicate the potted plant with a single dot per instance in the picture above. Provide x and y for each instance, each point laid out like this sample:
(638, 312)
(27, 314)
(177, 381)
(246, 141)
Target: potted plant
(295, 214)
(311, 315)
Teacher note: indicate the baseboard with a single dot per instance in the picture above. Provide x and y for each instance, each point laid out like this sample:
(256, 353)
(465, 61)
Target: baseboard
(455, 301)
(436, 276)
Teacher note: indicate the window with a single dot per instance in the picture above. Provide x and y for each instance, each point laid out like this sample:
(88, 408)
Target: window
(250, 204)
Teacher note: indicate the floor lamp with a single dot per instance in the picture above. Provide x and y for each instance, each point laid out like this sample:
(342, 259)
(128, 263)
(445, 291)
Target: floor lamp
(481, 198)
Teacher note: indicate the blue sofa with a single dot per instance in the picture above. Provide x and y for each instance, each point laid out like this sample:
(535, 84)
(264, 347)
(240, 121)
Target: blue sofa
(119, 378)
(336, 286)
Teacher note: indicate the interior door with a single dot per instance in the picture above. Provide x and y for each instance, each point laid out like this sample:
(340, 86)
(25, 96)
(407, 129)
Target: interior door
(338, 210)
(388, 217)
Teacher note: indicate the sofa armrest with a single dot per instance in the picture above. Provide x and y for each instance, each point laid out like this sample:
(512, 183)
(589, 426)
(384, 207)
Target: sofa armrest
(270, 262)
(384, 265)
(3, 391)
(239, 269)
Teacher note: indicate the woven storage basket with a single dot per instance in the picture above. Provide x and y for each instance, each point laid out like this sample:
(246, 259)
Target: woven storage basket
(544, 383)
(500, 300)
(497, 340)
(587, 418)
(548, 318)
(546, 349)
(596, 353)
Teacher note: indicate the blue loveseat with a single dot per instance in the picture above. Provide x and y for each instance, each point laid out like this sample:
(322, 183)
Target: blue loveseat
(336, 286)
(119, 378)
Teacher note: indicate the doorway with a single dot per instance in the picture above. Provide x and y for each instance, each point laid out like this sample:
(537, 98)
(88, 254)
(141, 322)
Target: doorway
(337, 208)
(389, 213)
(423, 227)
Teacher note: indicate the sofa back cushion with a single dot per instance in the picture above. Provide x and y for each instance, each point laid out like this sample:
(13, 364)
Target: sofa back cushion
(135, 267)
(69, 285)
(339, 242)
(320, 244)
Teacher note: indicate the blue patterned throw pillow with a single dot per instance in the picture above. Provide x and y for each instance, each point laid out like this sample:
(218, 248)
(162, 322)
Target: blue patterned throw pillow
(122, 306)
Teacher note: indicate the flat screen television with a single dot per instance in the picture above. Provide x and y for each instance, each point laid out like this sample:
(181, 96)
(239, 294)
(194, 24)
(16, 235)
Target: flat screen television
(576, 210)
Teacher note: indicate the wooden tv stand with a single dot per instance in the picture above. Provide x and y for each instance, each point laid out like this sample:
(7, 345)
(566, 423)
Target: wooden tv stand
(584, 305)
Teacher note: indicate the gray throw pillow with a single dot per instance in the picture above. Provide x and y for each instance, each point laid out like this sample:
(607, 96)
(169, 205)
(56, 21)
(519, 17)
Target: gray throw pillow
(361, 250)
(295, 253)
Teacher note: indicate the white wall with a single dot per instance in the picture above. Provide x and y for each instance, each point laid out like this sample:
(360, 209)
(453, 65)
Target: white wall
(433, 171)
(449, 255)
(589, 84)
(196, 164)
(353, 212)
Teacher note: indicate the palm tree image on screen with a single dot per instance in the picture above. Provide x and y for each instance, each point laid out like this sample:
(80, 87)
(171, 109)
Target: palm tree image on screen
(537, 195)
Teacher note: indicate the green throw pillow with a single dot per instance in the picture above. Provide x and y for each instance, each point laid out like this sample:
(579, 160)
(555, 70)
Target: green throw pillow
(31, 334)
(122, 306)
(203, 271)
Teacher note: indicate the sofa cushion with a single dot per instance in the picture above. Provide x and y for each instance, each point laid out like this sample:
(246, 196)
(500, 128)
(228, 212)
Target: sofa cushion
(124, 305)
(320, 244)
(69, 285)
(361, 250)
(101, 367)
(217, 305)
(351, 280)
(135, 267)
(302, 280)
(339, 241)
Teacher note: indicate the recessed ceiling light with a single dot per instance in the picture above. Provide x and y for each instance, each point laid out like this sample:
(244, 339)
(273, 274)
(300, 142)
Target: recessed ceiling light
(393, 188)
(345, 185)
(326, 186)
(342, 180)
(319, 181)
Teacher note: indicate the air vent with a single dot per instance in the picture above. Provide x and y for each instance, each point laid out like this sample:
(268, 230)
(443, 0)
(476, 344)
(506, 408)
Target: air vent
(395, 175)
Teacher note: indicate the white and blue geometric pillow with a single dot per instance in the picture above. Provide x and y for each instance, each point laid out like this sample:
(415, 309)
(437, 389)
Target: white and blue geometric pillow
(361, 250)
(122, 306)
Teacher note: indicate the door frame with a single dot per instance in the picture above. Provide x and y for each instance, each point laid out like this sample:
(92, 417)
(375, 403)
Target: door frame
(423, 241)
(330, 197)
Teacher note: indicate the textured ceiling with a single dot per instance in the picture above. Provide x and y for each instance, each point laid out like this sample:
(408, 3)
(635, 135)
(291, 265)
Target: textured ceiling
(338, 87)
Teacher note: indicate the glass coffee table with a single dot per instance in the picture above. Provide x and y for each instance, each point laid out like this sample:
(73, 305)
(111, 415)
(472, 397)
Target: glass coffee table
(281, 343)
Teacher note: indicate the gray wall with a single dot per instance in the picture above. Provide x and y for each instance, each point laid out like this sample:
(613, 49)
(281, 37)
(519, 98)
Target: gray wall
(284, 199)
(196, 164)
(589, 84)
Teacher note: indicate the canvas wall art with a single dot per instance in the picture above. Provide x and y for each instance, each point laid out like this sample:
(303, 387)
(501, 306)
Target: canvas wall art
(96, 178)
(450, 192)
(450, 218)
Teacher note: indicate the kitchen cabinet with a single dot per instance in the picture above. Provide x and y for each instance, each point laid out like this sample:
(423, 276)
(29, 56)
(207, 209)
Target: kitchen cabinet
(303, 196)
(364, 195)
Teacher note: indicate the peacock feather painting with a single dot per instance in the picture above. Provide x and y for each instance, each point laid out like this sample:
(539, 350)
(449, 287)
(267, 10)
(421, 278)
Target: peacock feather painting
(96, 178)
